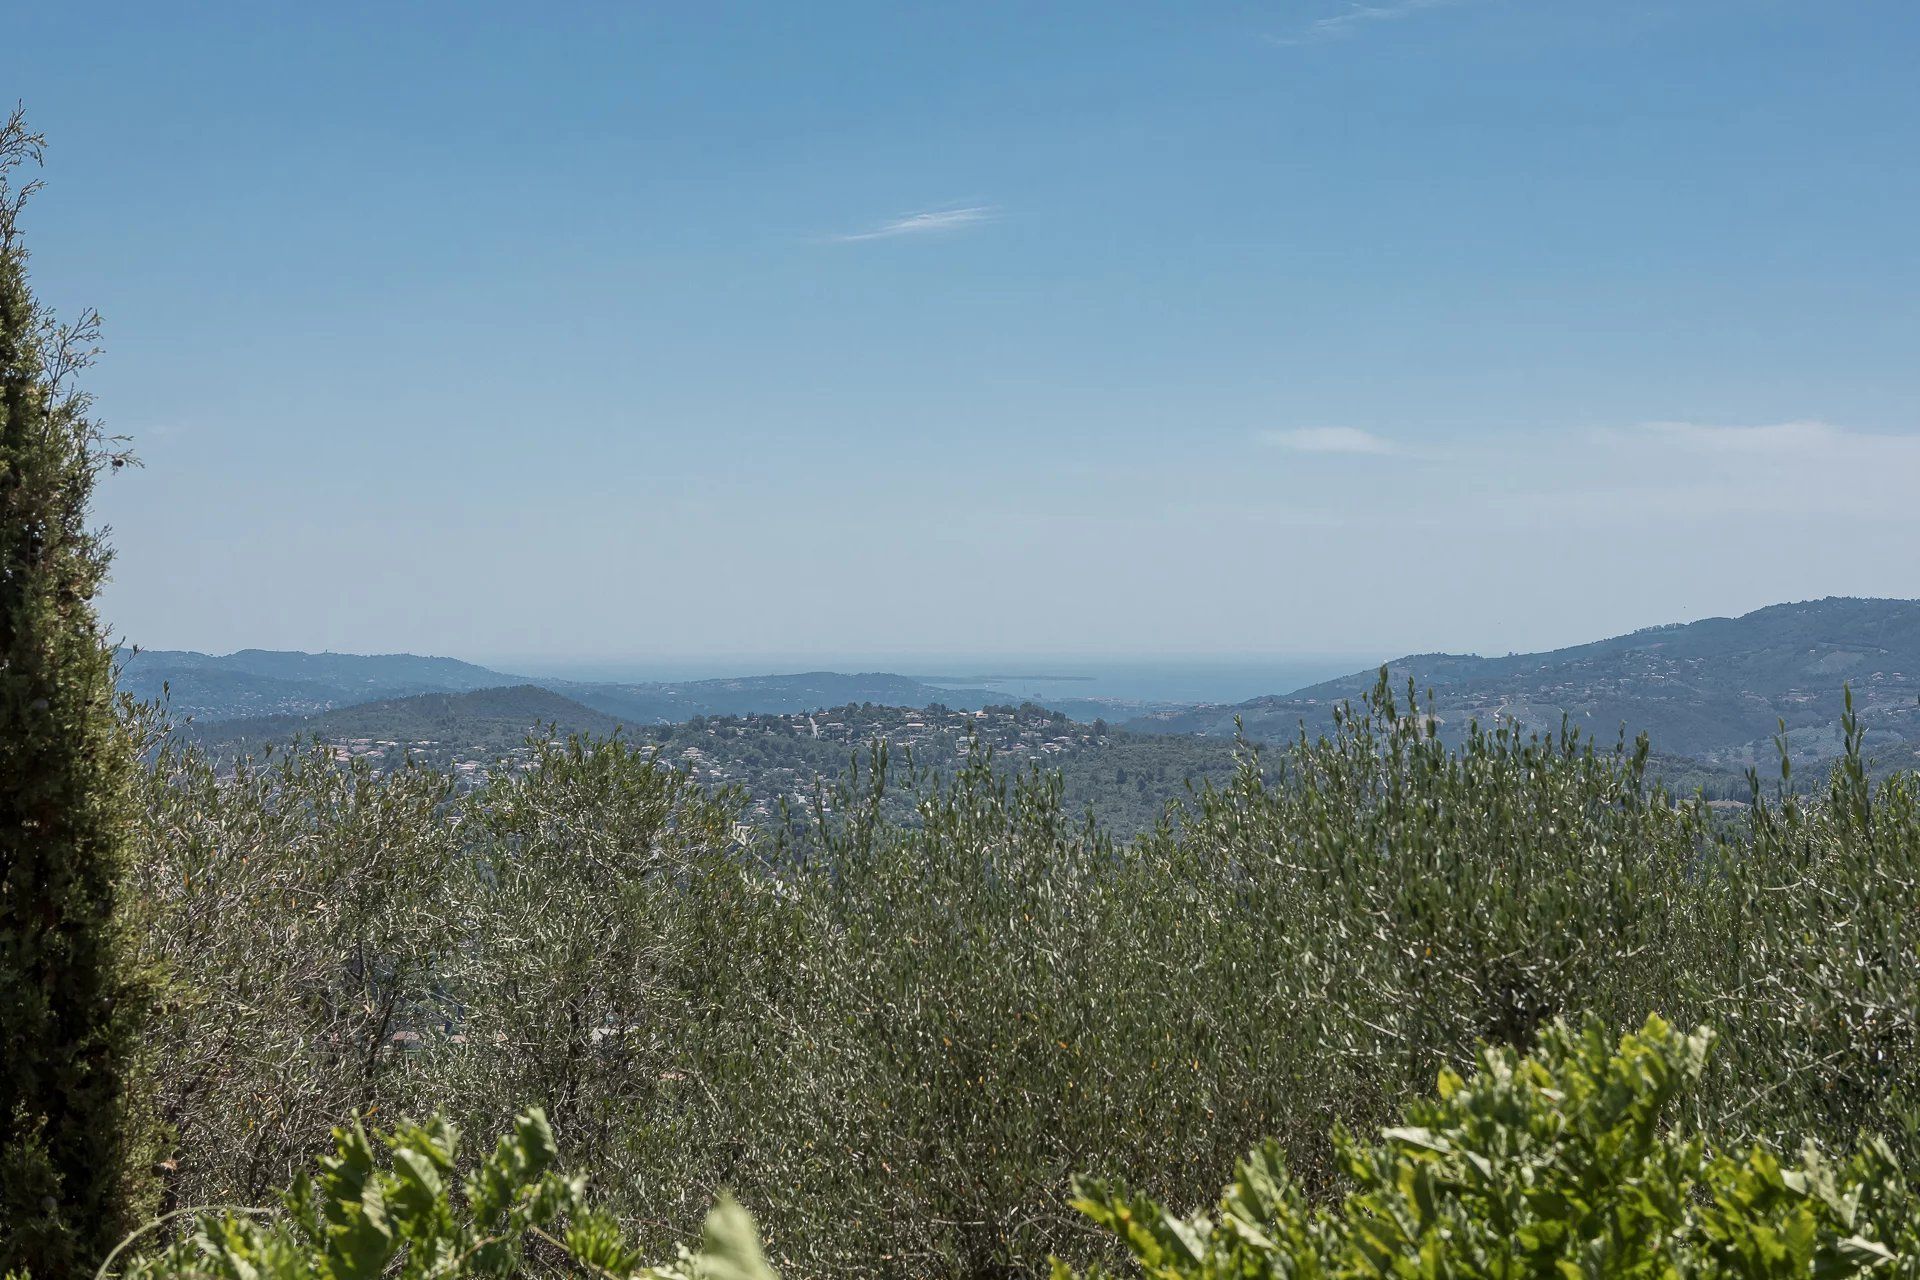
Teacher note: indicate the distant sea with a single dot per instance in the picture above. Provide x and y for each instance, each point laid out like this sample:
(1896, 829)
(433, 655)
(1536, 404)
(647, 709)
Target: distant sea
(1048, 678)
(1147, 679)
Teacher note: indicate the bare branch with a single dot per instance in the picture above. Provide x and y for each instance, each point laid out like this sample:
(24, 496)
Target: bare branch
(19, 145)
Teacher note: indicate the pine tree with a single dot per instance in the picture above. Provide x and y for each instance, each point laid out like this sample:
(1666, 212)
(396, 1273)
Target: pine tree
(66, 995)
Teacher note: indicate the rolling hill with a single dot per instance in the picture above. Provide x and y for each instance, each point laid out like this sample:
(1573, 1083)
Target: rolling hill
(257, 682)
(441, 728)
(1714, 690)
(260, 682)
(1124, 778)
(766, 695)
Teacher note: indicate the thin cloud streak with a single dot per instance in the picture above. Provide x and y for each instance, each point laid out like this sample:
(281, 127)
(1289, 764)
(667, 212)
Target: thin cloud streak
(928, 222)
(1329, 440)
(1359, 16)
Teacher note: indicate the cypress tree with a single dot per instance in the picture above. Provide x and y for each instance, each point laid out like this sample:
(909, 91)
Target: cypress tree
(66, 993)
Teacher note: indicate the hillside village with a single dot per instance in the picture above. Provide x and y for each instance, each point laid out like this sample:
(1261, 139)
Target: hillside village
(770, 754)
(783, 756)
(774, 759)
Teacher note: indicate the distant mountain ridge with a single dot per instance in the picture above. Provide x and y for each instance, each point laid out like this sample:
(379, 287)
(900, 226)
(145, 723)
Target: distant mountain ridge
(254, 683)
(1712, 690)
(1715, 689)
(259, 682)
(473, 721)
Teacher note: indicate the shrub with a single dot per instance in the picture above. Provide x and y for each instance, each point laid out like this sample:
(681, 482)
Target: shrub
(302, 914)
(384, 1205)
(1561, 1162)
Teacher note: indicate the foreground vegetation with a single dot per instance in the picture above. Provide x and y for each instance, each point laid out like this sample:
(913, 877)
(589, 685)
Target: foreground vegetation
(1567, 1161)
(897, 1042)
(394, 1203)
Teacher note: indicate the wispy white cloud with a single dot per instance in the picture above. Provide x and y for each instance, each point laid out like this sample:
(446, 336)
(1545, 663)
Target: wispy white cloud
(926, 222)
(1328, 440)
(1358, 16)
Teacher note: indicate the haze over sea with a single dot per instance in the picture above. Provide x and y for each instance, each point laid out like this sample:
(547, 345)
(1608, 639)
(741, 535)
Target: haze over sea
(1176, 678)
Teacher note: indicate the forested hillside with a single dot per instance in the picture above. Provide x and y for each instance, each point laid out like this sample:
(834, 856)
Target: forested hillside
(1715, 690)
(469, 733)
(261, 682)
(1125, 779)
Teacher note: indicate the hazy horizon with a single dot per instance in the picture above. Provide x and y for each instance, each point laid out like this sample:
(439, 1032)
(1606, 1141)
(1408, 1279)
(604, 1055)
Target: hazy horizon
(1190, 677)
(1152, 677)
(720, 661)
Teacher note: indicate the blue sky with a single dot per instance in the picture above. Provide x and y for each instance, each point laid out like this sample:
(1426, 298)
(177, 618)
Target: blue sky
(851, 330)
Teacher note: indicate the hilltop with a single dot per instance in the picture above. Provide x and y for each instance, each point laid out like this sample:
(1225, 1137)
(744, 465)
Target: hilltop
(1715, 689)
(668, 703)
(261, 682)
(254, 683)
(468, 731)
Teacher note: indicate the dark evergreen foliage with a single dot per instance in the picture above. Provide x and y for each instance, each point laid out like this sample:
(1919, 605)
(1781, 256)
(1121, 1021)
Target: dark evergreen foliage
(65, 998)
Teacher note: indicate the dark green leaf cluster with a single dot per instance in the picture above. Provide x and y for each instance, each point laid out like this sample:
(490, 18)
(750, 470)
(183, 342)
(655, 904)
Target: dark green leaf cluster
(386, 1205)
(1565, 1161)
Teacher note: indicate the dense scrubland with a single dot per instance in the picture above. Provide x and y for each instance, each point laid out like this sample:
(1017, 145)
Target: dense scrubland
(897, 1042)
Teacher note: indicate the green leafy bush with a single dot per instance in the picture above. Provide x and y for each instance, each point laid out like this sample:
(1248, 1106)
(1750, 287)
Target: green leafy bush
(385, 1205)
(1560, 1162)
